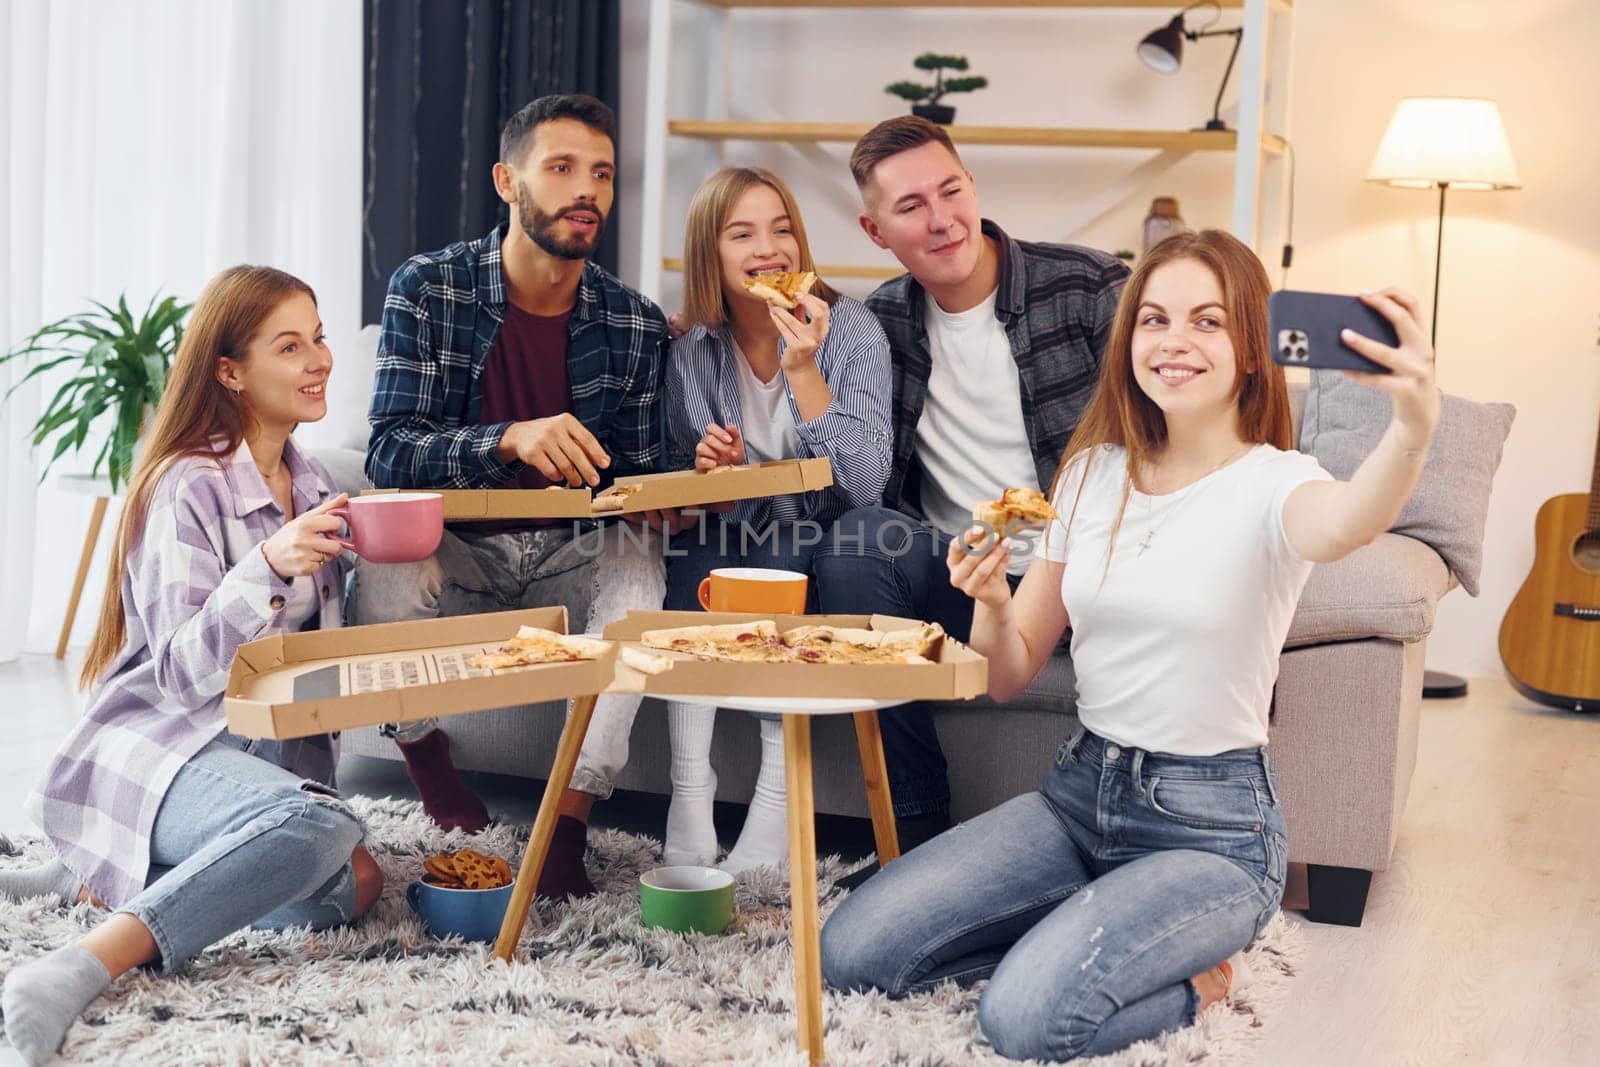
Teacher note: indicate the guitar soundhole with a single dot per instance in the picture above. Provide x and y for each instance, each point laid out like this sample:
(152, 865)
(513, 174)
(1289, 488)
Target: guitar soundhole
(1586, 552)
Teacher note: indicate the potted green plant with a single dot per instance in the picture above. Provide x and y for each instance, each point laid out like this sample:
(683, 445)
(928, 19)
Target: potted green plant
(119, 366)
(925, 98)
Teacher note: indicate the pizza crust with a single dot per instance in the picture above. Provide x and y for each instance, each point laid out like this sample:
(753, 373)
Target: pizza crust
(1016, 509)
(646, 662)
(781, 287)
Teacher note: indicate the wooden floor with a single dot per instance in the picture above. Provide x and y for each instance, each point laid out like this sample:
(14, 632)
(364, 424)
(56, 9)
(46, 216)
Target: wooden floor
(1481, 945)
(1482, 942)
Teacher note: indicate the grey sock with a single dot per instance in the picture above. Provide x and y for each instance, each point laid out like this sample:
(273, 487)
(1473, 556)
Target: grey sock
(42, 1000)
(51, 880)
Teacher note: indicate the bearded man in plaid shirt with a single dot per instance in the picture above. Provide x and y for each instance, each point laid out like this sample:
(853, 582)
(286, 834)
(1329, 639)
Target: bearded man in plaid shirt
(512, 361)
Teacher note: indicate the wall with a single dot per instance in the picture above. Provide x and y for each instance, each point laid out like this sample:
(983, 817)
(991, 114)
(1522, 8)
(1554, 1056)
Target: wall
(184, 138)
(1521, 283)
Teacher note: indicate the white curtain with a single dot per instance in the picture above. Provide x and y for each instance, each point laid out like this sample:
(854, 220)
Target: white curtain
(148, 146)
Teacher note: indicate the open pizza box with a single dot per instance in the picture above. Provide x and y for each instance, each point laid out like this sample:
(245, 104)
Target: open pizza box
(298, 684)
(956, 673)
(650, 492)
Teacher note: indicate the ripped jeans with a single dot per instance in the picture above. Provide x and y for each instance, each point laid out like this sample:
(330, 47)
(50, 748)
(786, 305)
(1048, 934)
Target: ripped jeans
(1088, 904)
(598, 574)
(239, 841)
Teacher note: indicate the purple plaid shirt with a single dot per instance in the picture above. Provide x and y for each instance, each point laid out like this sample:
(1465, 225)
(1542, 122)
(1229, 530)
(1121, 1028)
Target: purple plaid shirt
(197, 587)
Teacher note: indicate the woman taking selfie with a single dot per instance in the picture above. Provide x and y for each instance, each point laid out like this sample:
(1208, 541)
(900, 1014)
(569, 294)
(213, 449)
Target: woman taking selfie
(750, 382)
(186, 832)
(1104, 907)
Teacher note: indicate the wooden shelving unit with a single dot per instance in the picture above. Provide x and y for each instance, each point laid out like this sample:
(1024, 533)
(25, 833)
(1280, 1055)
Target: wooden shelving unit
(1263, 59)
(1014, 136)
(1158, 4)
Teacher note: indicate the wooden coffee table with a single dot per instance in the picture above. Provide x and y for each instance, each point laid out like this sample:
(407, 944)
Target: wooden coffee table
(806, 934)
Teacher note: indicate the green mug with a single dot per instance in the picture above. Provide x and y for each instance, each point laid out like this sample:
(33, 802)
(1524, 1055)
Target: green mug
(686, 898)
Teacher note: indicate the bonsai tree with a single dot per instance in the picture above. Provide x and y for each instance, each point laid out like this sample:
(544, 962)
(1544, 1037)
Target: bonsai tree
(119, 367)
(925, 98)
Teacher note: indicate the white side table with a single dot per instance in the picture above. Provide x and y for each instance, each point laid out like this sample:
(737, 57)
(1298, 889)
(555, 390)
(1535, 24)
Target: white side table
(100, 489)
(806, 926)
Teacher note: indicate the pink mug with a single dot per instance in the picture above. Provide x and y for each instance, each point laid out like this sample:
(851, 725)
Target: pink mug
(393, 527)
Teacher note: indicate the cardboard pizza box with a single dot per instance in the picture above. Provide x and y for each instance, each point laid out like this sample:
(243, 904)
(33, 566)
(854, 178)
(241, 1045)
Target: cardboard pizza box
(298, 684)
(673, 489)
(957, 673)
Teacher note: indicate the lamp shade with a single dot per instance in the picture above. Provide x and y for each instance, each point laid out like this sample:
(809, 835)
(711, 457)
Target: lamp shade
(1454, 141)
(1162, 50)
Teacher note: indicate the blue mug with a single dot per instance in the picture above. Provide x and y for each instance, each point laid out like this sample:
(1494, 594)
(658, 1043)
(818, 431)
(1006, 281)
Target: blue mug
(470, 914)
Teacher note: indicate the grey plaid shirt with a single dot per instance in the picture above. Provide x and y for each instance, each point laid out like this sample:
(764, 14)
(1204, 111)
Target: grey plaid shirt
(1056, 303)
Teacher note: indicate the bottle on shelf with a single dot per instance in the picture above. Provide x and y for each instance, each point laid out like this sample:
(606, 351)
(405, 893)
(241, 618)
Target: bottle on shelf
(1162, 222)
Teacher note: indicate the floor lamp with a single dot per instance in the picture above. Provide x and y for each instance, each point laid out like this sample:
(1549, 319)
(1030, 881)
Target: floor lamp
(1444, 143)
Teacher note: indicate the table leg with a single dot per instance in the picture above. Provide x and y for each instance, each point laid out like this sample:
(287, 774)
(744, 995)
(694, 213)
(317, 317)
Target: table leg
(544, 827)
(807, 929)
(95, 519)
(876, 776)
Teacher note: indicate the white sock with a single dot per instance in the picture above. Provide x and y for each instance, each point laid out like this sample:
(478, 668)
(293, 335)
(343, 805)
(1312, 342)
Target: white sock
(691, 836)
(42, 1000)
(50, 880)
(764, 840)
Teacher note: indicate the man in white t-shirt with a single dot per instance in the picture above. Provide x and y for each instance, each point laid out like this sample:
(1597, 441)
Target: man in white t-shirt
(996, 346)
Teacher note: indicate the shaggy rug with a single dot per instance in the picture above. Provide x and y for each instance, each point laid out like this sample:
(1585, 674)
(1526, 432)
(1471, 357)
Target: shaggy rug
(592, 986)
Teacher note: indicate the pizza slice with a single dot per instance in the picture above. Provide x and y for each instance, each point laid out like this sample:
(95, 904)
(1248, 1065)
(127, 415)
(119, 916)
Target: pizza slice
(613, 499)
(921, 640)
(645, 661)
(840, 644)
(745, 642)
(781, 287)
(532, 646)
(1017, 509)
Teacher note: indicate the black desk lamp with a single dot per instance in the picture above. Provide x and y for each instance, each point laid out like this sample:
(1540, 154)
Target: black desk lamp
(1162, 51)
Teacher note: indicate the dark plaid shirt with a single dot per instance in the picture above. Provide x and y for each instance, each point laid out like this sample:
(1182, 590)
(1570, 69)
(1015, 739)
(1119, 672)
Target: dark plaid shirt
(440, 318)
(1056, 303)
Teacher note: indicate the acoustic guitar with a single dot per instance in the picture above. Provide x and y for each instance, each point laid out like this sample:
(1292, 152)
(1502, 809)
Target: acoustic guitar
(1550, 637)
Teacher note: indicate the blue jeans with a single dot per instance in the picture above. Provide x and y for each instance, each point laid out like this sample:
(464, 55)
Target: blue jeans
(878, 561)
(1090, 903)
(239, 841)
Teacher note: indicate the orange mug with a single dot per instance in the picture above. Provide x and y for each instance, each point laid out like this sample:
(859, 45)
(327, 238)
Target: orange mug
(754, 590)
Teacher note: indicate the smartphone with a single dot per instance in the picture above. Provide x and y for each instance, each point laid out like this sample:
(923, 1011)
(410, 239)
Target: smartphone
(1303, 329)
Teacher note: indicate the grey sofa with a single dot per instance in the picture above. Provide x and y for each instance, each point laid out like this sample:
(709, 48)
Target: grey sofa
(1343, 735)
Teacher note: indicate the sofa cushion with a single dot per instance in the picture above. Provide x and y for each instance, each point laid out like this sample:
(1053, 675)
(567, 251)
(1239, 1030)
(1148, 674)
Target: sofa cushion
(1054, 690)
(1386, 589)
(1343, 423)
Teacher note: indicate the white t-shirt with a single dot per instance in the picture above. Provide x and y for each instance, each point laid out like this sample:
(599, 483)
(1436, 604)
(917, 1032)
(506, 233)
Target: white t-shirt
(768, 424)
(971, 438)
(1177, 651)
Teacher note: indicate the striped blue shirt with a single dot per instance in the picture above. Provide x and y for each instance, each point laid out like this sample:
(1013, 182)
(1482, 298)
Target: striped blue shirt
(854, 433)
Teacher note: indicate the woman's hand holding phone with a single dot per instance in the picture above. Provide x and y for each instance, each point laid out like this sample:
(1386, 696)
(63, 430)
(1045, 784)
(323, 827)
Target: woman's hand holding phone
(1411, 385)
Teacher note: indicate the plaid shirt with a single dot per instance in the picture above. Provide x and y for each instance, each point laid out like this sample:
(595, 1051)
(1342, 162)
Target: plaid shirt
(853, 433)
(1056, 303)
(440, 319)
(196, 588)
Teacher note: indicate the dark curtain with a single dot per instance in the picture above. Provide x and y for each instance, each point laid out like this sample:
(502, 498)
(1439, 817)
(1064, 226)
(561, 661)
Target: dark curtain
(442, 76)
